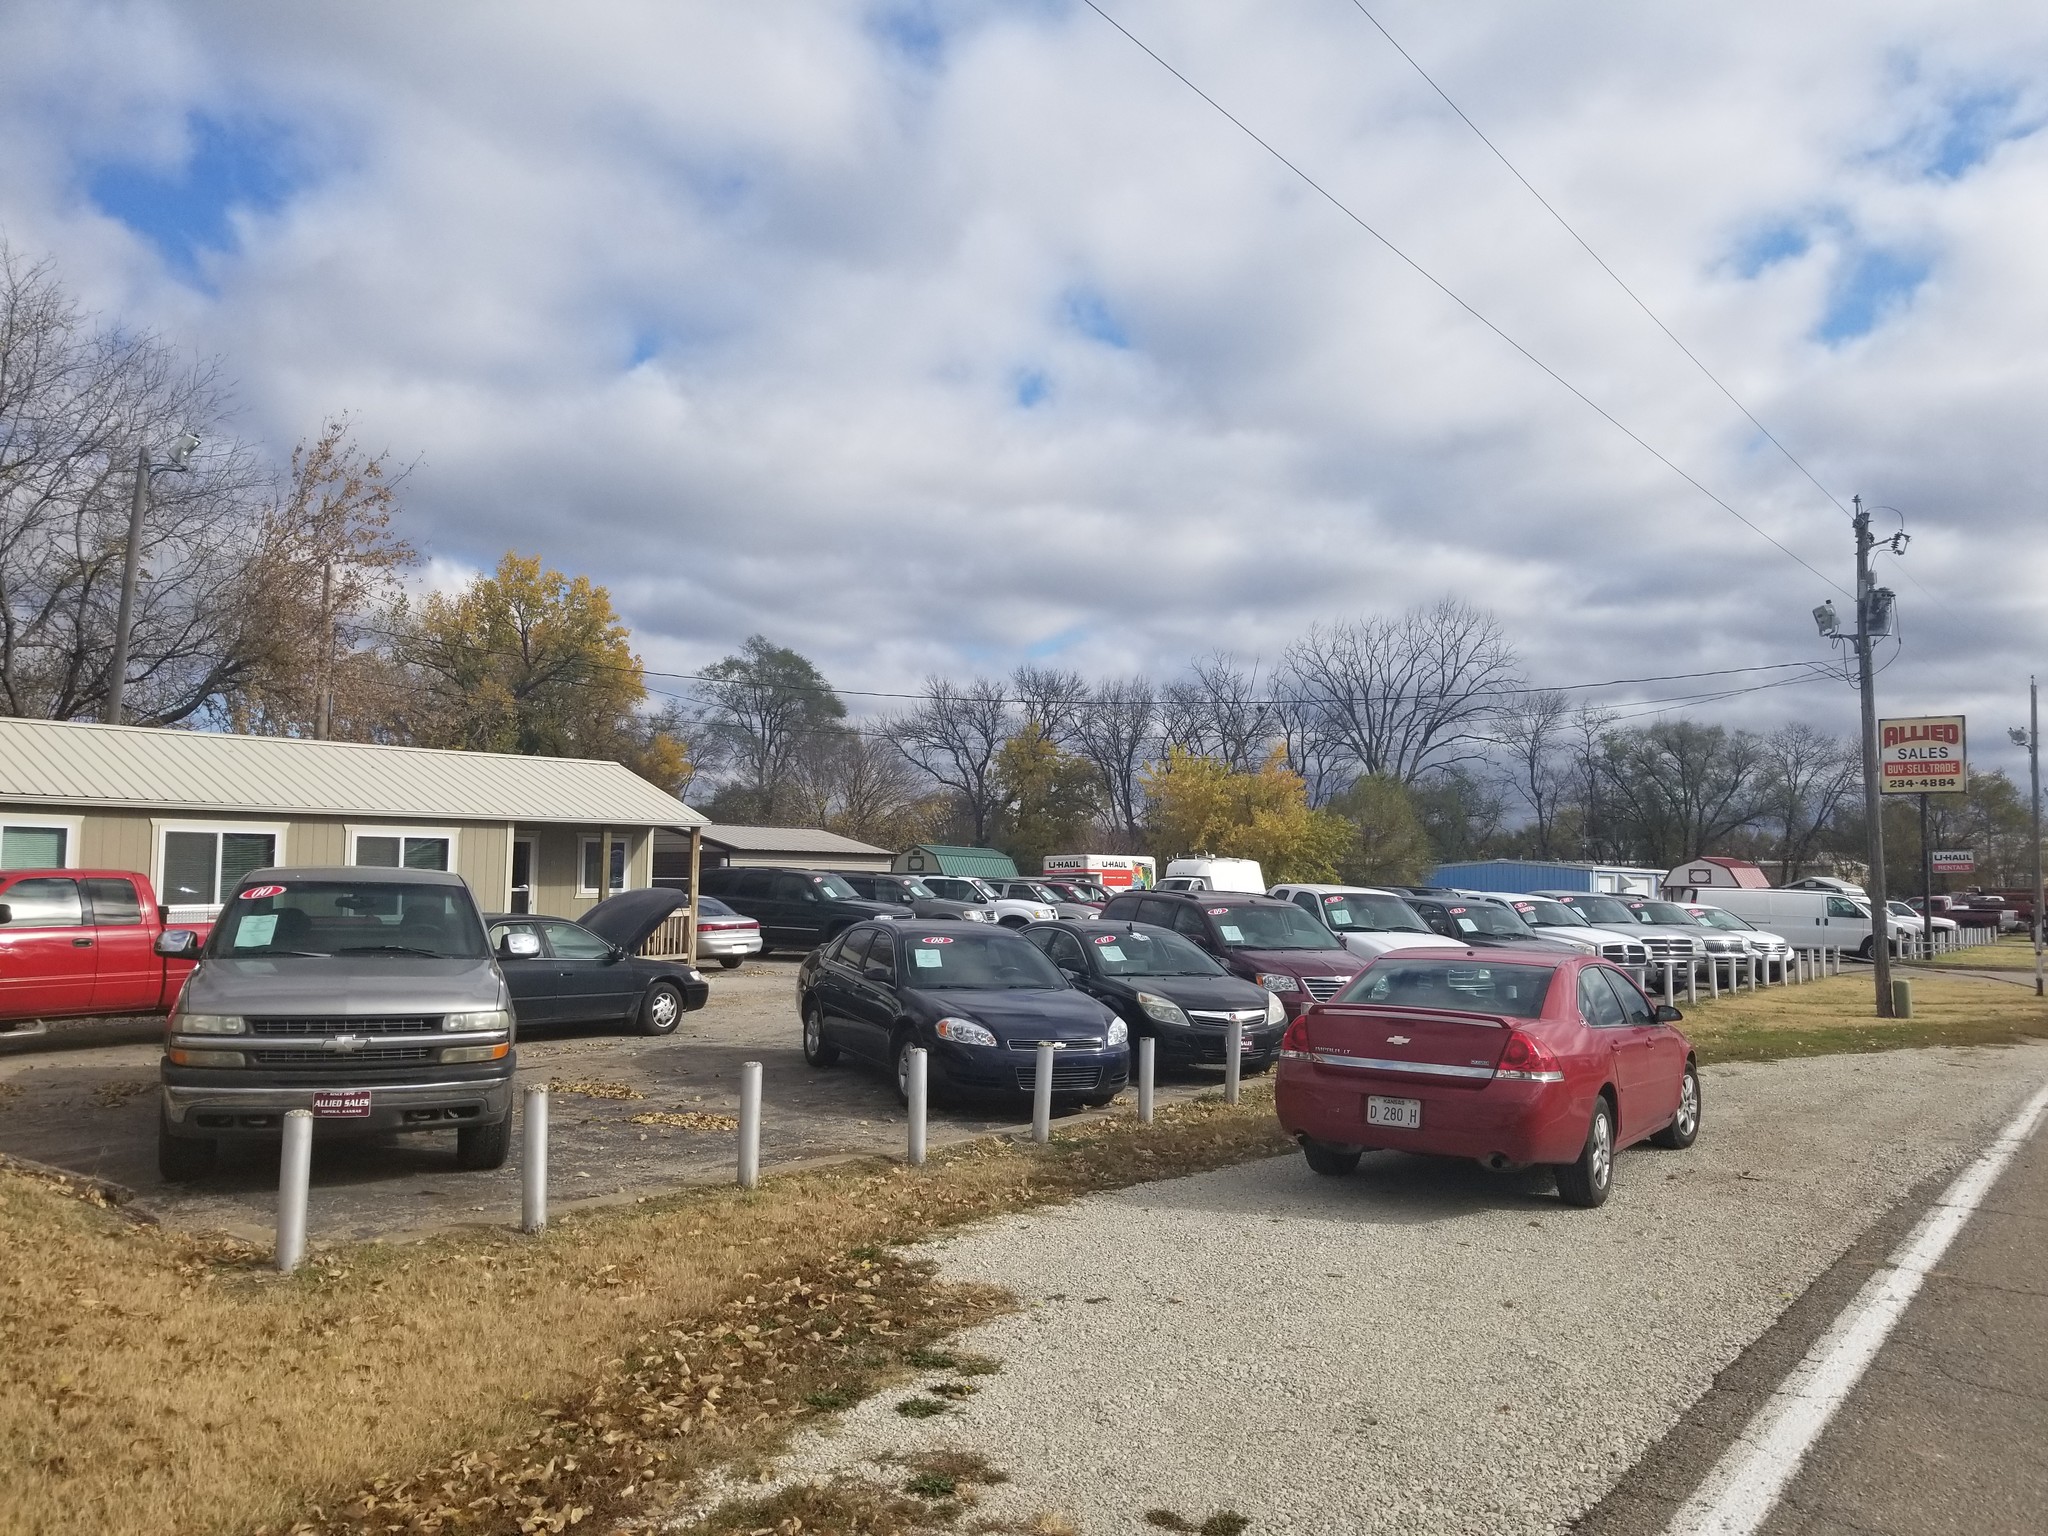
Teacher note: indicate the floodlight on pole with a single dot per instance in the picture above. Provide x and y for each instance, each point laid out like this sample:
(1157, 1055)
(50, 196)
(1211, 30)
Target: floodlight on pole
(1825, 621)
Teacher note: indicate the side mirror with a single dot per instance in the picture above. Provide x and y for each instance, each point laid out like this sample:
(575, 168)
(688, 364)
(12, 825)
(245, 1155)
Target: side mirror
(1666, 1014)
(177, 943)
(519, 946)
(1071, 974)
(877, 973)
(6, 913)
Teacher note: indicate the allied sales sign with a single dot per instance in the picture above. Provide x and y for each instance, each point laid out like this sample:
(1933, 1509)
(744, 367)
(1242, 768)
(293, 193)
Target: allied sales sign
(1921, 757)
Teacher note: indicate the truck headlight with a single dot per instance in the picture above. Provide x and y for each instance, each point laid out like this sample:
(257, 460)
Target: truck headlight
(963, 1032)
(1277, 981)
(488, 1018)
(1164, 1009)
(184, 1058)
(207, 1024)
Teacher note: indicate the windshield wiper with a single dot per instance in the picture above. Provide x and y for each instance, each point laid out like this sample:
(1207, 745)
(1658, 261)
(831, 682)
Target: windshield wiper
(271, 954)
(393, 949)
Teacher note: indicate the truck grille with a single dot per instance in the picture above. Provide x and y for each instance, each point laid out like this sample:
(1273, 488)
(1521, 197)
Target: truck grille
(337, 1061)
(1323, 988)
(278, 1029)
(1625, 954)
(1064, 1079)
(1673, 949)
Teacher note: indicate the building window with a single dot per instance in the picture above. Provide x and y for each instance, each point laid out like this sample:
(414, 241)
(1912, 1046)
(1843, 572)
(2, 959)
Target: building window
(36, 845)
(203, 865)
(402, 847)
(592, 865)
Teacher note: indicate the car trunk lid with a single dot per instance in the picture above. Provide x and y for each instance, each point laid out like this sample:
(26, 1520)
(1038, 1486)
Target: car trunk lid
(1439, 1045)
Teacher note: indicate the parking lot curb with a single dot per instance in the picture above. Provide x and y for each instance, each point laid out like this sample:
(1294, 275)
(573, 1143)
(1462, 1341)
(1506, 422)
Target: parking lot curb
(117, 1197)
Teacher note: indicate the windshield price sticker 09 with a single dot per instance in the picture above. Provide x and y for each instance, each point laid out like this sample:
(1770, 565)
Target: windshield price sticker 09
(1923, 756)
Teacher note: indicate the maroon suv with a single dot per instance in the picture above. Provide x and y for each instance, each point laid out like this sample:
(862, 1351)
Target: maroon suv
(1271, 942)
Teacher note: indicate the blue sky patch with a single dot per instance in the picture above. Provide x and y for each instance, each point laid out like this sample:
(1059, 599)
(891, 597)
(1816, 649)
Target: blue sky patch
(912, 31)
(1089, 314)
(1052, 645)
(1872, 285)
(184, 209)
(1977, 123)
(1032, 388)
(646, 346)
(1781, 242)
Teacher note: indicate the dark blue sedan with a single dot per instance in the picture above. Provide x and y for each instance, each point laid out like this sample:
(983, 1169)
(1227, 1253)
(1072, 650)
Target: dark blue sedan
(978, 1000)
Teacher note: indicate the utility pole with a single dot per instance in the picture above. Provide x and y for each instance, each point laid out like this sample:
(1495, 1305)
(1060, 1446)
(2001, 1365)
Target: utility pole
(131, 570)
(1873, 800)
(2032, 742)
(324, 719)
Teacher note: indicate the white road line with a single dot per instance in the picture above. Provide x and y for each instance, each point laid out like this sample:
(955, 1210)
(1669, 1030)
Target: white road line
(1746, 1483)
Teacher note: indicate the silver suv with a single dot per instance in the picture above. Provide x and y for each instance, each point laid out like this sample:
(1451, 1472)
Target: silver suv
(1675, 948)
(366, 995)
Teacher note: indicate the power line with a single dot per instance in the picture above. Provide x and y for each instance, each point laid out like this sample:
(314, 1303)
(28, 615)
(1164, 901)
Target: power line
(1449, 293)
(1599, 260)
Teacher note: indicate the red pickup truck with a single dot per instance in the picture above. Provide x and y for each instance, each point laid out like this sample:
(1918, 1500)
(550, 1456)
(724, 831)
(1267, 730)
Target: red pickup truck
(76, 943)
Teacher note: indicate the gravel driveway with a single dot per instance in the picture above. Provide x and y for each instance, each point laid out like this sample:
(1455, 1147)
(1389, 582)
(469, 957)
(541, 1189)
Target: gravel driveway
(1422, 1347)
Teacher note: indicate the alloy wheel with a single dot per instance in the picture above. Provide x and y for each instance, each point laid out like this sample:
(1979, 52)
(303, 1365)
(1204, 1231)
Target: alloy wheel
(1688, 1105)
(1602, 1160)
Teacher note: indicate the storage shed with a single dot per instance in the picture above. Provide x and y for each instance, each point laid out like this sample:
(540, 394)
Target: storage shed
(763, 847)
(1540, 875)
(945, 859)
(195, 811)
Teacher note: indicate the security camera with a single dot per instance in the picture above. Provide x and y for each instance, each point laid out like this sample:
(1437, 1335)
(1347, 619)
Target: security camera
(1824, 620)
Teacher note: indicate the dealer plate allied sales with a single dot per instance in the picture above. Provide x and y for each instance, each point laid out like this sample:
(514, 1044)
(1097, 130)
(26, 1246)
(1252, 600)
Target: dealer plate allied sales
(1404, 1113)
(342, 1104)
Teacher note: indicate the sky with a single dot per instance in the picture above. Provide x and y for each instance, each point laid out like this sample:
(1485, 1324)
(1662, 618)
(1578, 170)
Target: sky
(944, 335)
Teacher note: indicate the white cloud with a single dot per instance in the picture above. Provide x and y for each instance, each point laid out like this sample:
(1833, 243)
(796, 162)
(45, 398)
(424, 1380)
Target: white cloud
(730, 307)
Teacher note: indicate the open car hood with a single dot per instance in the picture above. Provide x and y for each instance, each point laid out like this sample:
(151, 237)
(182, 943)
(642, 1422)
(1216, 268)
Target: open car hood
(630, 918)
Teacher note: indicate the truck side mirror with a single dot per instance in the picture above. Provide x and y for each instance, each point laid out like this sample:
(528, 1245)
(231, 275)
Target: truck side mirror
(519, 946)
(6, 913)
(177, 943)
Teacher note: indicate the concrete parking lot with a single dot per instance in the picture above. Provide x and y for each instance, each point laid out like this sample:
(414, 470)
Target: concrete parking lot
(82, 1098)
(1423, 1346)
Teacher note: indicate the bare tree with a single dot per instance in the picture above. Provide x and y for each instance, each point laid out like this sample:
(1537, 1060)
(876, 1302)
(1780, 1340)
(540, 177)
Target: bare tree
(1116, 734)
(1808, 776)
(766, 711)
(1056, 700)
(1218, 713)
(78, 401)
(1405, 695)
(955, 735)
(1677, 788)
(1531, 729)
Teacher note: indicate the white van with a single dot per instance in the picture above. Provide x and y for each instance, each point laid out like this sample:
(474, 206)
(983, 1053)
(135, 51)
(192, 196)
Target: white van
(1214, 875)
(1807, 919)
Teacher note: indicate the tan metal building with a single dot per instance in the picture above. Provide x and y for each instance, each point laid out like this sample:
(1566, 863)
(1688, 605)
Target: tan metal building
(195, 811)
(762, 847)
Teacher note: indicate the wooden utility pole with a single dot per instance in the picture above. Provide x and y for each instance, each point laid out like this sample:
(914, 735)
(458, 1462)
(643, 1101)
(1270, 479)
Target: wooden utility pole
(1873, 798)
(324, 722)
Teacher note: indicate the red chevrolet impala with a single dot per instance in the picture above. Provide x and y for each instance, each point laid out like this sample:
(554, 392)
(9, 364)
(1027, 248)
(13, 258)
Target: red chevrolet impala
(1510, 1060)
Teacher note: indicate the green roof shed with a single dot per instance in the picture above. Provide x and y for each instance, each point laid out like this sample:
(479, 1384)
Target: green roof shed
(942, 859)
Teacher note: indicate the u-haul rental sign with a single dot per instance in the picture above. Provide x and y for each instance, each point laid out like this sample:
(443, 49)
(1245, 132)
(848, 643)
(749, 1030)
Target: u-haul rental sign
(1921, 757)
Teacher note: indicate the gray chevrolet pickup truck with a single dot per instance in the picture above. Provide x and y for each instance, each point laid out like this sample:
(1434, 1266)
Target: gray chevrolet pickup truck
(366, 995)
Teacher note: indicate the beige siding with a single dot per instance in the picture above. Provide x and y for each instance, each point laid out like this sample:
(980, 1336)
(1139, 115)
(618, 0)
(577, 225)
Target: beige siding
(308, 840)
(116, 840)
(482, 857)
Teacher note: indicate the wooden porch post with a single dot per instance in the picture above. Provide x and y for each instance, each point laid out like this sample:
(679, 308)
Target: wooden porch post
(696, 865)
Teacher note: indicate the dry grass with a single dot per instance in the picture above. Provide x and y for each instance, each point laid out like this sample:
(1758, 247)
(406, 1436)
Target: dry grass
(155, 1381)
(2005, 955)
(1840, 1014)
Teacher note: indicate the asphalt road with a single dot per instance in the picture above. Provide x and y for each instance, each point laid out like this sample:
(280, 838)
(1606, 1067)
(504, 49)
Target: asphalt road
(1424, 1347)
(82, 1098)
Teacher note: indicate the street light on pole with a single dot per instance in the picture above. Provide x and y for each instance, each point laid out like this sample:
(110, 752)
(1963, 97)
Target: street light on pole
(131, 568)
(2030, 738)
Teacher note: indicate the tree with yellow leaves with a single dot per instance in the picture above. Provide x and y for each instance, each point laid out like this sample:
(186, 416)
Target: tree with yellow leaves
(531, 660)
(1199, 806)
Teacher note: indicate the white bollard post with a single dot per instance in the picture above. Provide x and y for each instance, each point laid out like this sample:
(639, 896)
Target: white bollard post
(1148, 1053)
(1692, 985)
(1233, 1060)
(1713, 981)
(294, 1174)
(533, 1161)
(1756, 974)
(920, 1095)
(1041, 1094)
(1670, 981)
(750, 1124)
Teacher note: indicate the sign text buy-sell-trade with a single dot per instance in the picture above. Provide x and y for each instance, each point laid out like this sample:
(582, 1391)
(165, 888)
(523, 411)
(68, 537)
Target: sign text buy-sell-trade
(1921, 757)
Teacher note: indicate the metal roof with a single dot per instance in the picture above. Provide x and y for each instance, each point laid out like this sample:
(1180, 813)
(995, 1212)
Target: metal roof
(61, 762)
(951, 859)
(786, 840)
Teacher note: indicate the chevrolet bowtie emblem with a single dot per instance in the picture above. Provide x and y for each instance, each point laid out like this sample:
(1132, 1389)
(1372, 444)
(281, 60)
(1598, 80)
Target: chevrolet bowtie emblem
(345, 1043)
(1397, 1039)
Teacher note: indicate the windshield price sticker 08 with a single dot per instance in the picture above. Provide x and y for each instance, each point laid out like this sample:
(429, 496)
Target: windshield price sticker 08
(1923, 756)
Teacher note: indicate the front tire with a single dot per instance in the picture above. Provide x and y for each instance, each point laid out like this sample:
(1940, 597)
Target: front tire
(818, 1051)
(182, 1159)
(1587, 1182)
(661, 1010)
(479, 1148)
(1328, 1161)
(1684, 1128)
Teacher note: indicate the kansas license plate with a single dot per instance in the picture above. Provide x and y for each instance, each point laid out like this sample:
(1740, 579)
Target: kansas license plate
(1405, 1113)
(342, 1104)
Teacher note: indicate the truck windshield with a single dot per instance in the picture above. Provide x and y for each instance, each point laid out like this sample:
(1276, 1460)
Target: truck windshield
(308, 919)
(1358, 912)
(1721, 917)
(834, 887)
(1538, 913)
(1667, 913)
(1274, 927)
(1603, 911)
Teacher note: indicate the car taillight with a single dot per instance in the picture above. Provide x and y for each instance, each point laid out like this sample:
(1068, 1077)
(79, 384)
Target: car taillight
(1295, 1041)
(1528, 1060)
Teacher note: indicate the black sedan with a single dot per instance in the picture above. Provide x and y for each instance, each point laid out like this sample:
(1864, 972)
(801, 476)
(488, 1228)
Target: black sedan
(979, 1000)
(561, 972)
(1166, 988)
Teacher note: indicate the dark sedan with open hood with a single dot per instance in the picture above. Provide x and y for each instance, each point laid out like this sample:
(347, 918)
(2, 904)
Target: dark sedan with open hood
(586, 972)
(979, 1000)
(1164, 987)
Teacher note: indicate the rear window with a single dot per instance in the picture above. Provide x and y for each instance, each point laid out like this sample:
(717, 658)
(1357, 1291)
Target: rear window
(1516, 991)
(307, 918)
